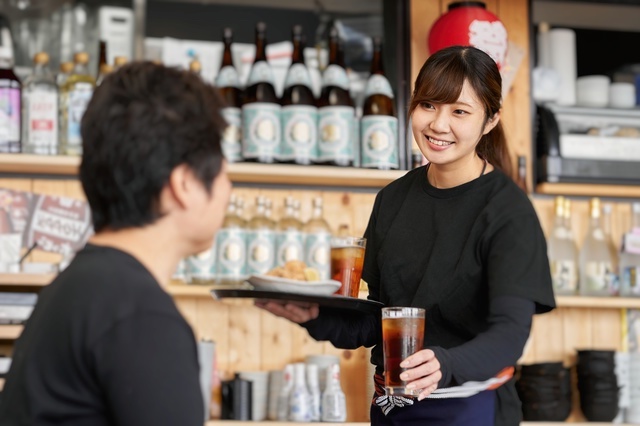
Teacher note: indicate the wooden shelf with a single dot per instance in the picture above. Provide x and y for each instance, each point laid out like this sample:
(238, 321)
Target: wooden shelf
(10, 332)
(287, 174)
(270, 423)
(598, 302)
(589, 190)
(20, 279)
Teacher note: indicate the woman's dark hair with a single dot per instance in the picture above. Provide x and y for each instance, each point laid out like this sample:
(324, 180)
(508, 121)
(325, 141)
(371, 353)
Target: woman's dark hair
(142, 122)
(441, 79)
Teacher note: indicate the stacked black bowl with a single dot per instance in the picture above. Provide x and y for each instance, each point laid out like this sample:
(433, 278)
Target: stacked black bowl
(598, 385)
(545, 391)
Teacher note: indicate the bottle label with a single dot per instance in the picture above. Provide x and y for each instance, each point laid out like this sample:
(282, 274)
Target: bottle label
(598, 277)
(231, 146)
(260, 130)
(42, 123)
(299, 133)
(379, 141)
(201, 266)
(227, 77)
(260, 251)
(289, 246)
(79, 98)
(335, 133)
(318, 253)
(631, 281)
(632, 243)
(335, 75)
(378, 85)
(260, 73)
(564, 274)
(10, 114)
(231, 253)
(298, 75)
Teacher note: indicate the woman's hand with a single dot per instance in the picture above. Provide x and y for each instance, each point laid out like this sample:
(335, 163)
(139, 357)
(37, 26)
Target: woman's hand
(291, 311)
(423, 372)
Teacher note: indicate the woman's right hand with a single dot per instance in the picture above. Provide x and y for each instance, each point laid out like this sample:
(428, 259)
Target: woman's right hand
(291, 311)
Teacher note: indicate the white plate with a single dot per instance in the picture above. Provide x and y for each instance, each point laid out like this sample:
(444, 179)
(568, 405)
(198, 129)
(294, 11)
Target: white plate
(267, 282)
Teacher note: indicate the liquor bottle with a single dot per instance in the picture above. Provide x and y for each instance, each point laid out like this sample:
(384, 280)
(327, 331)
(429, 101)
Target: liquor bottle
(261, 108)
(313, 383)
(299, 112)
(75, 96)
(231, 248)
(289, 237)
(65, 71)
(317, 246)
(102, 59)
(228, 84)
(563, 254)
(630, 257)
(195, 66)
(283, 395)
(299, 397)
(606, 227)
(118, 62)
(334, 405)
(379, 123)
(200, 268)
(10, 99)
(268, 207)
(40, 109)
(596, 263)
(261, 240)
(336, 112)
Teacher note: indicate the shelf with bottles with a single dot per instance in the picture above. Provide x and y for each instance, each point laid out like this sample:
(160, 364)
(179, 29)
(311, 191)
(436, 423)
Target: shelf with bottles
(588, 190)
(25, 279)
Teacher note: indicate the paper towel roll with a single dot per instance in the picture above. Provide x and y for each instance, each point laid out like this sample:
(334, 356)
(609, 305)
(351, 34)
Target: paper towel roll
(563, 60)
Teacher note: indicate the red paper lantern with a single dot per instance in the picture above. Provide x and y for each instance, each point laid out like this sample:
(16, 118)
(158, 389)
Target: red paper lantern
(469, 23)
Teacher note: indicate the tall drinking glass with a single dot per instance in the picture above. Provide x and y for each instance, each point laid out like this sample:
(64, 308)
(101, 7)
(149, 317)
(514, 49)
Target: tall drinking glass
(347, 259)
(402, 336)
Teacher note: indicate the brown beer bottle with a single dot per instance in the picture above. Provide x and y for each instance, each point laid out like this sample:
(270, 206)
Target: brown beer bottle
(336, 112)
(299, 112)
(379, 123)
(228, 84)
(102, 60)
(261, 108)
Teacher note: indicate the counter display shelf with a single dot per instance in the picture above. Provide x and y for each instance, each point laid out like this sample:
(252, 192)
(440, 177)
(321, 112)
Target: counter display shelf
(589, 190)
(10, 331)
(26, 280)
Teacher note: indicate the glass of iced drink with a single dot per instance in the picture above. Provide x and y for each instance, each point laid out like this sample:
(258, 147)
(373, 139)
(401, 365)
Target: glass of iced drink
(347, 258)
(402, 336)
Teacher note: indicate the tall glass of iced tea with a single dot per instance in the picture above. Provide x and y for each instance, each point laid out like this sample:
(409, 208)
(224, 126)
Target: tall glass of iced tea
(402, 335)
(347, 258)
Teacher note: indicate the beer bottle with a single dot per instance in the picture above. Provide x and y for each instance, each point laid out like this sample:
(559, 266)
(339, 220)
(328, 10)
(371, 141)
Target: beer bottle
(336, 113)
(228, 84)
(379, 123)
(261, 240)
(299, 112)
(318, 241)
(102, 58)
(289, 239)
(75, 96)
(261, 109)
(40, 109)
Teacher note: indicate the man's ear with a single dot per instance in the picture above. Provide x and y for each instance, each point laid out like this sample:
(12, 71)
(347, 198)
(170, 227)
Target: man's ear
(491, 123)
(178, 187)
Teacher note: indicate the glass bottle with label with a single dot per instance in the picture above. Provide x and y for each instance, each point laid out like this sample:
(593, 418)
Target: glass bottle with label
(334, 406)
(336, 112)
(261, 109)
(289, 237)
(299, 112)
(66, 68)
(228, 84)
(379, 123)
(40, 109)
(10, 98)
(630, 257)
(75, 96)
(596, 263)
(261, 240)
(318, 241)
(231, 248)
(563, 254)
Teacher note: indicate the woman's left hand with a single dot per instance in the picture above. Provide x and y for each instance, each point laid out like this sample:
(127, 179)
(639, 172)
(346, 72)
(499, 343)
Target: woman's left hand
(423, 372)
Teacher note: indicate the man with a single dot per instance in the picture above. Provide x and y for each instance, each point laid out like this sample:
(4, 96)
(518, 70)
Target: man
(105, 344)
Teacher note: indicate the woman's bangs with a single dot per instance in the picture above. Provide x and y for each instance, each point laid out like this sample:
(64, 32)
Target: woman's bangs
(443, 85)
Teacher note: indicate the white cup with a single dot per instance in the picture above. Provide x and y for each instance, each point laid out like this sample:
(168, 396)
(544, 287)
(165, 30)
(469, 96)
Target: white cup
(622, 95)
(259, 392)
(592, 91)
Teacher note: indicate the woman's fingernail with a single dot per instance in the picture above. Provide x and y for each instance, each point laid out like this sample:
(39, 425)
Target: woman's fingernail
(404, 364)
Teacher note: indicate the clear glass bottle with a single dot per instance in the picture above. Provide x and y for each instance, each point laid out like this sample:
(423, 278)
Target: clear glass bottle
(299, 397)
(75, 96)
(379, 122)
(317, 246)
(261, 240)
(40, 109)
(299, 112)
(289, 237)
(10, 100)
(596, 262)
(261, 129)
(336, 112)
(334, 405)
(630, 256)
(228, 84)
(231, 248)
(66, 68)
(563, 254)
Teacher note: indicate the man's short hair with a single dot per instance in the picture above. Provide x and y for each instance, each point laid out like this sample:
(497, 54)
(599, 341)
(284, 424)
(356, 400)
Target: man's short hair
(142, 122)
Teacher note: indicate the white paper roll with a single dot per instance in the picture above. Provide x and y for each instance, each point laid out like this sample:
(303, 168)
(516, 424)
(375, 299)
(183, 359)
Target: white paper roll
(563, 60)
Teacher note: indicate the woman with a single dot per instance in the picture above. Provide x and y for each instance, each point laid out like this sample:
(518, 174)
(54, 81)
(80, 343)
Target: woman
(456, 237)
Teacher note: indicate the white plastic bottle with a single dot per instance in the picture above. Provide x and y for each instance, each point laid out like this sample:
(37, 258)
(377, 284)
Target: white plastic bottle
(334, 404)
(313, 383)
(299, 397)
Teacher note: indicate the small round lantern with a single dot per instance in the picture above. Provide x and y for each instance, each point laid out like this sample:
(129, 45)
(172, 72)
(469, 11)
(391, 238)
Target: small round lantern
(469, 23)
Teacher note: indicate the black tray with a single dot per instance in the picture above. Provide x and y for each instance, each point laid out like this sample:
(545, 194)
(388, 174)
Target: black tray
(325, 302)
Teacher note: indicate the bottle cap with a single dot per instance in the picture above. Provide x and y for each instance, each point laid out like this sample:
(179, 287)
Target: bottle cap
(119, 61)
(195, 66)
(41, 58)
(81, 58)
(66, 67)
